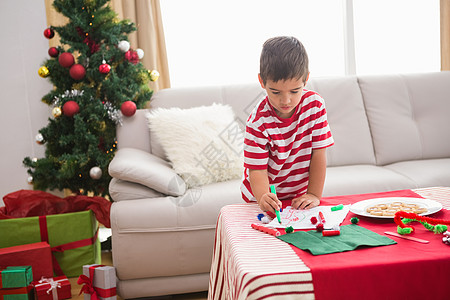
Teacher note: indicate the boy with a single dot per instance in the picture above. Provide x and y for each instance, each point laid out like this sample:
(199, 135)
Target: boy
(287, 133)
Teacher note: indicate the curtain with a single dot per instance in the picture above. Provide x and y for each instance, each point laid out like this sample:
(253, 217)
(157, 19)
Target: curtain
(146, 15)
(445, 34)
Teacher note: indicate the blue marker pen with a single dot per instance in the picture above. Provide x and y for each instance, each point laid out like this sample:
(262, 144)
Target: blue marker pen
(277, 212)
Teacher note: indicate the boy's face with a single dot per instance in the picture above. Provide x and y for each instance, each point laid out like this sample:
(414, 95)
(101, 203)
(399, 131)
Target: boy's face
(284, 95)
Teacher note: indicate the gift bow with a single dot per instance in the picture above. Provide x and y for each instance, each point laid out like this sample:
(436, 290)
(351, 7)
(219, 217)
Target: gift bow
(88, 286)
(53, 286)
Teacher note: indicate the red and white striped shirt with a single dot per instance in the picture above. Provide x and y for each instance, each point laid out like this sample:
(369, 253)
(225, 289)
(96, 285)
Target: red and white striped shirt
(283, 147)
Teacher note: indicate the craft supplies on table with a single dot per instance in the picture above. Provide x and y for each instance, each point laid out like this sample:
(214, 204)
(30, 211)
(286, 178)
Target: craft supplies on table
(242, 269)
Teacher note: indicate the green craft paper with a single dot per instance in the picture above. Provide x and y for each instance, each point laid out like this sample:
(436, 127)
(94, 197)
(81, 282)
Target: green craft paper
(62, 229)
(351, 237)
(16, 277)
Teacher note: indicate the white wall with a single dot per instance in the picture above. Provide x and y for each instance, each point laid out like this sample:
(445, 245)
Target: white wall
(23, 50)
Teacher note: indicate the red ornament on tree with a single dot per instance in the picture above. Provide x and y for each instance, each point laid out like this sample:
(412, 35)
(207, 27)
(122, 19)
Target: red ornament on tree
(49, 33)
(128, 108)
(66, 59)
(104, 68)
(53, 52)
(70, 108)
(132, 56)
(77, 72)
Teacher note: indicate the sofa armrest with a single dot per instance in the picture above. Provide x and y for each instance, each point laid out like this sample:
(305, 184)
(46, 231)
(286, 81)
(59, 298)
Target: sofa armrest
(121, 190)
(141, 167)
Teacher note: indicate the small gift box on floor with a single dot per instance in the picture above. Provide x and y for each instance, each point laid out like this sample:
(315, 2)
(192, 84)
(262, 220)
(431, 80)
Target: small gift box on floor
(53, 288)
(99, 280)
(15, 283)
(36, 255)
(14, 277)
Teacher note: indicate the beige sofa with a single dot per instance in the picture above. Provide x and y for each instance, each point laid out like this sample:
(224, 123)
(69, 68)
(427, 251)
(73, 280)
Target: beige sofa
(391, 132)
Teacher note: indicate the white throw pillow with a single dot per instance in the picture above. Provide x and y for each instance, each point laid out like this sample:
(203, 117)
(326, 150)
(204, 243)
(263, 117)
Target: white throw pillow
(204, 144)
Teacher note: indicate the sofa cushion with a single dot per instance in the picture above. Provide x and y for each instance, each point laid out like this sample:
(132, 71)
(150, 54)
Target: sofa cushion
(204, 144)
(360, 179)
(121, 190)
(347, 119)
(408, 115)
(141, 167)
(425, 173)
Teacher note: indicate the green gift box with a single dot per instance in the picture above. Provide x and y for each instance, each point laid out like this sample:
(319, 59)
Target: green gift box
(22, 293)
(16, 277)
(72, 238)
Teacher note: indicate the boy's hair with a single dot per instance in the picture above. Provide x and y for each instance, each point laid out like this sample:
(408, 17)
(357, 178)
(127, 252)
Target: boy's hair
(283, 58)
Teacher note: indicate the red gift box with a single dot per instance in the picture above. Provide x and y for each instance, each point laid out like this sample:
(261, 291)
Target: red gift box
(53, 288)
(36, 255)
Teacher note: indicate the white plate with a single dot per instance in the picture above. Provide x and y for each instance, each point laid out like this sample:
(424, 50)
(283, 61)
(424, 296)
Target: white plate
(359, 208)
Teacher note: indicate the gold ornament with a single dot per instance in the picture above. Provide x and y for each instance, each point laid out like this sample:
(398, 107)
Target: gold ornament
(102, 126)
(154, 75)
(43, 71)
(56, 111)
(143, 78)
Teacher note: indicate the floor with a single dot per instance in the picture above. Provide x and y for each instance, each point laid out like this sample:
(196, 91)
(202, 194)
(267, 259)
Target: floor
(107, 260)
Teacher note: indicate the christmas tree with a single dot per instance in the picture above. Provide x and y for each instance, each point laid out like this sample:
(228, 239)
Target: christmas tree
(98, 80)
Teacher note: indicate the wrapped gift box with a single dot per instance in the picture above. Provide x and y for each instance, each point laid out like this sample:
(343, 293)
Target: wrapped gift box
(36, 255)
(22, 293)
(102, 279)
(53, 288)
(15, 277)
(72, 238)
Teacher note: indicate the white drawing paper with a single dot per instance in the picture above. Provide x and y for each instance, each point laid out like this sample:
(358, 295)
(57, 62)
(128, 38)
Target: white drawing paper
(301, 218)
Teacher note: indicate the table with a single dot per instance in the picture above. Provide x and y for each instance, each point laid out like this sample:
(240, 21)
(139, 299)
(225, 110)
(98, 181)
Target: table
(248, 264)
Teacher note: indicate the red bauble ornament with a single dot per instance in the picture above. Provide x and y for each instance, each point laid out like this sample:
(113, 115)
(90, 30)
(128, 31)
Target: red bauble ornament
(49, 33)
(132, 56)
(66, 59)
(53, 52)
(104, 68)
(70, 108)
(77, 72)
(128, 108)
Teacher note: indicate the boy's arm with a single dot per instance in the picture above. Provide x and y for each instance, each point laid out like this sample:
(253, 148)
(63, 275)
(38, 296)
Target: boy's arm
(317, 172)
(259, 182)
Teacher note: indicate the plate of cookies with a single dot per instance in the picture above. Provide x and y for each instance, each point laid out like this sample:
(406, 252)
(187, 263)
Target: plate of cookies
(387, 207)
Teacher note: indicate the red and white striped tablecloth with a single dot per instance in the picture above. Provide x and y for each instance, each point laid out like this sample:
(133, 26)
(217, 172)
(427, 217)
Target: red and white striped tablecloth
(247, 264)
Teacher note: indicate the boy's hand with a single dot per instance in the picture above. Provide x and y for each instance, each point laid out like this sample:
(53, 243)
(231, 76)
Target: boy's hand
(269, 202)
(305, 201)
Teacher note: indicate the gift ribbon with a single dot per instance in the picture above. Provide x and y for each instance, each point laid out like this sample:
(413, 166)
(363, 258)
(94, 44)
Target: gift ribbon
(89, 288)
(14, 291)
(61, 248)
(54, 284)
